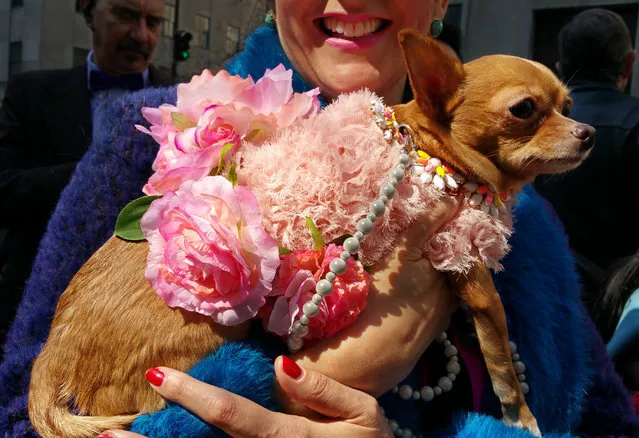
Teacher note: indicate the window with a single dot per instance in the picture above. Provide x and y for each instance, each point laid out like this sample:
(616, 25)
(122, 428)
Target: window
(169, 20)
(15, 58)
(80, 55)
(17, 3)
(232, 40)
(202, 31)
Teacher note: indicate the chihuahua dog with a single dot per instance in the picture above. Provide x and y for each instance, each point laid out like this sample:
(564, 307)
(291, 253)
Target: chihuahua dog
(499, 119)
(503, 120)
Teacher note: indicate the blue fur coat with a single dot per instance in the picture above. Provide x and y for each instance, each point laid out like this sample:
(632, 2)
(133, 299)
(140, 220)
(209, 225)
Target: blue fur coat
(574, 390)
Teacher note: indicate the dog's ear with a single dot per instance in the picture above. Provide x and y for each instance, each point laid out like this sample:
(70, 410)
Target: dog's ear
(434, 75)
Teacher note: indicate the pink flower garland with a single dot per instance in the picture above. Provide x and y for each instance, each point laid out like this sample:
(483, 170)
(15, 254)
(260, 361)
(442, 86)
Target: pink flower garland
(209, 252)
(214, 112)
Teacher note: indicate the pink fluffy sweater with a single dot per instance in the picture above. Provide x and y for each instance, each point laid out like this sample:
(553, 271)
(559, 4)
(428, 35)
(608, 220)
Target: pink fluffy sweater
(330, 167)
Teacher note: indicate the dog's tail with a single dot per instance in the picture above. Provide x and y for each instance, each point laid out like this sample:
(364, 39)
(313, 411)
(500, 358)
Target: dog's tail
(50, 413)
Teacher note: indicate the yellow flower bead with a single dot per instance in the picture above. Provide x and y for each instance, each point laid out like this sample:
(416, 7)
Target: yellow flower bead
(422, 154)
(440, 171)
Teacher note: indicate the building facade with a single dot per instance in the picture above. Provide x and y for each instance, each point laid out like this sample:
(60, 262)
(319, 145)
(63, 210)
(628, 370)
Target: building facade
(52, 34)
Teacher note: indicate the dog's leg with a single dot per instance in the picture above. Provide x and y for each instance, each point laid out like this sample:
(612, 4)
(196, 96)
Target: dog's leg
(478, 291)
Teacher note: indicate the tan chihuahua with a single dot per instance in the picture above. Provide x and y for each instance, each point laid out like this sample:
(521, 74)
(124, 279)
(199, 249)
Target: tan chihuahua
(500, 119)
(503, 120)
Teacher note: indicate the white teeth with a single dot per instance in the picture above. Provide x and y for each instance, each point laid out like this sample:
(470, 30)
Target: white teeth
(353, 30)
(349, 30)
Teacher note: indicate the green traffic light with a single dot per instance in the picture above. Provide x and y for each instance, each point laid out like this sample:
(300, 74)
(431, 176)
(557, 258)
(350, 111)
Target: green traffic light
(185, 55)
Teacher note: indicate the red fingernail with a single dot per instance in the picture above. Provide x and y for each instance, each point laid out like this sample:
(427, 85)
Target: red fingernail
(104, 435)
(291, 368)
(155, 376)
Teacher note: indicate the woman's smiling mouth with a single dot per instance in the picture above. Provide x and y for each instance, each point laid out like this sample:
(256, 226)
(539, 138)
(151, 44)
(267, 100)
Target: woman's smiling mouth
(351, 32)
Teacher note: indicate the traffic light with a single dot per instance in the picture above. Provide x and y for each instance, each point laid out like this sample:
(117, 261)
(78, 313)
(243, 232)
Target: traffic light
(181, 45)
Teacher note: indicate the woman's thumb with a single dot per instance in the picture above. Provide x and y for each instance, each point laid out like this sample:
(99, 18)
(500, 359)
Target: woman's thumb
(323, 394)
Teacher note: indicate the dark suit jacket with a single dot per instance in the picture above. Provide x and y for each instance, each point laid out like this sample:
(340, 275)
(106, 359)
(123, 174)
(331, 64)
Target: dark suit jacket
(45, 129)
(599, 201)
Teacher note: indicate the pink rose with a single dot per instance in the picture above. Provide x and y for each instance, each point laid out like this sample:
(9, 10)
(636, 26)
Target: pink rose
(213, 111)
(295, 284)
(193, 154)
(215, 131)
(208, 250)
(161, 125)
(281, 314)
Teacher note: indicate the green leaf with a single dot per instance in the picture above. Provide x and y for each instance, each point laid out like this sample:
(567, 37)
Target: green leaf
(227, 147)
(182, 121)
(127, 226)
(232, 176)
(284, 251)
(315, 233)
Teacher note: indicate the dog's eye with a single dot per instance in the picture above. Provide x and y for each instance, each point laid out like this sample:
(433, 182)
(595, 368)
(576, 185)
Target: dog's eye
(524, 109)
(565, 111)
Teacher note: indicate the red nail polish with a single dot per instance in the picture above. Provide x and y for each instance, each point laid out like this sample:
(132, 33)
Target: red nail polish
(155, 376)
(104, 435)
(291, 368)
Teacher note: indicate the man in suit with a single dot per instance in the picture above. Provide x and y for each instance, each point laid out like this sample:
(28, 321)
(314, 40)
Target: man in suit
(46, 125)
(598, 202)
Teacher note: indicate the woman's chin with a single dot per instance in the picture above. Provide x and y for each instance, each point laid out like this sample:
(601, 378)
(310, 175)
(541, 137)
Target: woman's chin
(345, 80)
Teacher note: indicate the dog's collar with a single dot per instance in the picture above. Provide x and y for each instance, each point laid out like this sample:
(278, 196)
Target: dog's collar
(432, 171)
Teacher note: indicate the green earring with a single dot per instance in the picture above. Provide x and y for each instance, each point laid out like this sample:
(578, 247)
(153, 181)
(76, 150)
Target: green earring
(270, 18)
(436, 27)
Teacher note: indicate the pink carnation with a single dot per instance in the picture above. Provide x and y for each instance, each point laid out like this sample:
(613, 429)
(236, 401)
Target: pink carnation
(208, 250)
(295, 284)
(214, 111)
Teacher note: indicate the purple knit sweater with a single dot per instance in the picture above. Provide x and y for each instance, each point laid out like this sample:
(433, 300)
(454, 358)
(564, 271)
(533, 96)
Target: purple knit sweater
(71, 239)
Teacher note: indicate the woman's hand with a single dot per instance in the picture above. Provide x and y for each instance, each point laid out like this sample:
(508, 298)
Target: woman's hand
(350, 412)
(409, 305)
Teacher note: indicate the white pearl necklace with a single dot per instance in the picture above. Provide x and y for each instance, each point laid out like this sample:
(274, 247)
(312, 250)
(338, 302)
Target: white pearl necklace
(406, 392)
(445, 383)
(324, 287)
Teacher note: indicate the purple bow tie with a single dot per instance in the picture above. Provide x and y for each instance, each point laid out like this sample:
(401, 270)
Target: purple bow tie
(100, 81)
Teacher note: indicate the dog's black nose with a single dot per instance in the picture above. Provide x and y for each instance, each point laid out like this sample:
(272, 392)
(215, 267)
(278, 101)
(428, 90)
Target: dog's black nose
(586, 134)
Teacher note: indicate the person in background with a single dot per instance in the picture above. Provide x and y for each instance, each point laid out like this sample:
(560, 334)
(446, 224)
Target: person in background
(46, 127)
(616, 315)
(597, 202)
